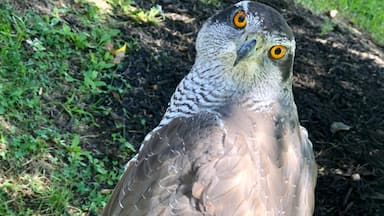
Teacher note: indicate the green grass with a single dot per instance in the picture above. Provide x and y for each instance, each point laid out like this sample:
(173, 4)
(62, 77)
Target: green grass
(137, 15)
(368, 15)
(54, 77)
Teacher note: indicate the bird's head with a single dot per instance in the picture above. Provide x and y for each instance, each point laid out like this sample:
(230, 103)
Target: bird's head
(252, 46)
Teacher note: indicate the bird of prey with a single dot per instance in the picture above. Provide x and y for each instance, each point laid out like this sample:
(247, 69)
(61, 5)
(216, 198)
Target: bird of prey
(230, 142)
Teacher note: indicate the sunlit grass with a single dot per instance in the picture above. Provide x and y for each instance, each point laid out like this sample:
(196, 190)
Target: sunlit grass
(368, 15)
(129, 9)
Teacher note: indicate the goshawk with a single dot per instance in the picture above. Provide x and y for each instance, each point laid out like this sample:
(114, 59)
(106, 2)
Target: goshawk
(230, 142)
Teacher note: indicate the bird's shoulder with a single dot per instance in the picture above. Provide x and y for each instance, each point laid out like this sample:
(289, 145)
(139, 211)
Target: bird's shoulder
(159, 176)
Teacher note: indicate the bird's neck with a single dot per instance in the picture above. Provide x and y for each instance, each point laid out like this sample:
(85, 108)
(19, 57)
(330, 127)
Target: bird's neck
(205, 89)
(259, 99)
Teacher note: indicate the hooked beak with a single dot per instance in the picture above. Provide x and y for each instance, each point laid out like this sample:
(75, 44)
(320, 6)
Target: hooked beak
(245, 49)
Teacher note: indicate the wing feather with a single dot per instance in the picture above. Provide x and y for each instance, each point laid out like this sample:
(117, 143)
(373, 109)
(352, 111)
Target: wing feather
(240, 164)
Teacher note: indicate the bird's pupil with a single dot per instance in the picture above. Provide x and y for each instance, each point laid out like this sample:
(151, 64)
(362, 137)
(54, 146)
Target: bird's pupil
(241, 19)
(277, 51)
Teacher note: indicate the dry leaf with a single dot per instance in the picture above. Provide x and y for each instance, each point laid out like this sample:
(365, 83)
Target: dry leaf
(116, 96)
(119, 54)
(333, 13)
(109, 47)
(40, 91)
(339, 126)
(120, 50)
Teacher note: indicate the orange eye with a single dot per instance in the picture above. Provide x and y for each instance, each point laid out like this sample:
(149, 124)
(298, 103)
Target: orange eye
(240, 19)
(277, 52)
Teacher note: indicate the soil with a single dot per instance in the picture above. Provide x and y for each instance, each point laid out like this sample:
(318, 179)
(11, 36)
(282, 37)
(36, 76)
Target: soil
(339, 77)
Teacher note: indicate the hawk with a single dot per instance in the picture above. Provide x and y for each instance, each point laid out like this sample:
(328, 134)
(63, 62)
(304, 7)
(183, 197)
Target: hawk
(230, 142)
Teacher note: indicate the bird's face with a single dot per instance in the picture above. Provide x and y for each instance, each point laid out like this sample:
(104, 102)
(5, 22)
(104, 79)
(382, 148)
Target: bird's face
(254, 45)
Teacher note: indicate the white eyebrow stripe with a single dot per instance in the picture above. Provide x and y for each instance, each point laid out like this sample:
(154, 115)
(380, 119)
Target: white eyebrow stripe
(245, 6)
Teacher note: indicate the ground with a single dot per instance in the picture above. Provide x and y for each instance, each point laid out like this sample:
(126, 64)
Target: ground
(339, 77)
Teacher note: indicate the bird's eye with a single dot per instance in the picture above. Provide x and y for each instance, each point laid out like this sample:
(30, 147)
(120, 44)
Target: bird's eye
(240, 19)
(277, 52)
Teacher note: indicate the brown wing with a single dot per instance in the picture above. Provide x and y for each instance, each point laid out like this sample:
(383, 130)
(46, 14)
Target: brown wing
(242, 164)
(159, 180)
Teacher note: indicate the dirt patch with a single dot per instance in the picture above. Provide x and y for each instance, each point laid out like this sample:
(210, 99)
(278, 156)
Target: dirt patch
(339, 77)
(338, 81)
